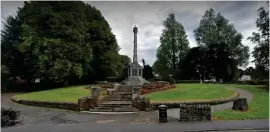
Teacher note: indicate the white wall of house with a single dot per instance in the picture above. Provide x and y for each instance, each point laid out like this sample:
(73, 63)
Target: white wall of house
(245, 78)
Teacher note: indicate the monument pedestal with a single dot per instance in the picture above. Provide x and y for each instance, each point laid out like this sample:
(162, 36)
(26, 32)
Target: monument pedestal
(135, 75)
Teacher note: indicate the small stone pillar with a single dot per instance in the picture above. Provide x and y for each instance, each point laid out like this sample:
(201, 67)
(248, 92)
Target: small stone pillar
(84, 103)
(240, 104)
(95, 95)
(162, 113)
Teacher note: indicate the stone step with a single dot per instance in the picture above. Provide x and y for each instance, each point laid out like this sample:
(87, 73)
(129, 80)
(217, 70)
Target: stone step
(110, 98)
(124, 89)
(118, 102)
(117, 99)
(115, 105)
(121, 93)
(109, 109)
(120, 96)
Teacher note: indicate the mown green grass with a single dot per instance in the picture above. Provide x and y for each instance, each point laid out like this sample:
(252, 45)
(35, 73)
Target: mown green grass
(192, 92)
(67, 94)
(258, 107)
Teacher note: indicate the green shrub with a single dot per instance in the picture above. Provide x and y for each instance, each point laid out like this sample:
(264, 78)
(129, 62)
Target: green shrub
(257, 82)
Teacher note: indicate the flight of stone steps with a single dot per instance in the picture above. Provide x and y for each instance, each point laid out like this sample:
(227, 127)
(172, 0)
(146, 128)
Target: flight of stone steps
(119, 101)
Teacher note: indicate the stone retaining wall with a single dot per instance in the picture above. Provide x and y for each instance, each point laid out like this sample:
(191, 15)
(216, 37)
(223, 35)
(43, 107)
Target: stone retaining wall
(154, 105)
(48, 104)
(195, 113)
(85, 103)
(141, 103)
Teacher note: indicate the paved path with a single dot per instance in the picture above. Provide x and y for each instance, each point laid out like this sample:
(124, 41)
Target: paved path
(243, 94)
(161, 127)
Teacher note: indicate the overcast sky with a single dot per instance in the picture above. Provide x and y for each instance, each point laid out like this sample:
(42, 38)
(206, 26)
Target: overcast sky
(148, 16)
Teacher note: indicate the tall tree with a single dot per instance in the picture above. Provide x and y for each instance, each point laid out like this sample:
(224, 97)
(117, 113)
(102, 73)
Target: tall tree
(148, 72)
(196, 64)
(261, 39)
(224, 44)
(124, 66)
(12, 61)
(61, 41)
(173, 47)
(249, 71)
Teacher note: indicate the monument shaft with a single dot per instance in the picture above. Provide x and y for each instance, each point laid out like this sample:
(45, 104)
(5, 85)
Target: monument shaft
(135, 57)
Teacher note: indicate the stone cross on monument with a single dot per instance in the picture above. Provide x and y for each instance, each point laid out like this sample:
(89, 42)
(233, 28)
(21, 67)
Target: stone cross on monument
(135, 70)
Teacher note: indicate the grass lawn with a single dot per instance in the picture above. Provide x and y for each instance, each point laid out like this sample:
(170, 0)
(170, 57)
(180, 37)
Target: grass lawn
(191, 92)
(68, 94)
(258, 108)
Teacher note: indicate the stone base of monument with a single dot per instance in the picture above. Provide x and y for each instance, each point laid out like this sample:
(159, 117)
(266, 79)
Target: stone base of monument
(240, 104)
(134, 81)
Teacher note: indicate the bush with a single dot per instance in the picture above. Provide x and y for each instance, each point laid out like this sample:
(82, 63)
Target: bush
(188, 81)
(257, 82)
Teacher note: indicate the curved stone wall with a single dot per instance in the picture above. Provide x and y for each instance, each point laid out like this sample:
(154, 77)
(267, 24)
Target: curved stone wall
(154, 105)
(58, 105)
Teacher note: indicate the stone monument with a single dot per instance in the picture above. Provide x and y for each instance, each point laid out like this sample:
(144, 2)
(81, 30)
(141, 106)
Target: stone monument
(135, 71)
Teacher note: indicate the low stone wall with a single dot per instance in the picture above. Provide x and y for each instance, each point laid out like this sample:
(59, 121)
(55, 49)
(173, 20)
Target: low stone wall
(9, 117)
(156, 86)
(48, 104)
(195, 113)
(240, 104)
(85, 103)
(141, 103)
(154, 105)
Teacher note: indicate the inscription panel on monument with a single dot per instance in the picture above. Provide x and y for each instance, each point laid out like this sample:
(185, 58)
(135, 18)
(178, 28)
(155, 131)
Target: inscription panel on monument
(134, 72)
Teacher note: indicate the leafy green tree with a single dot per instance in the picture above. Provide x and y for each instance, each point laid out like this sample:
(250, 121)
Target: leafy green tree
(124, 67)
(161, 70)
(197, 64)
(261, 39)
(4, 78)
(249, 71)
(12, 60)
(224, 44)
(173, 47)
(60, 42)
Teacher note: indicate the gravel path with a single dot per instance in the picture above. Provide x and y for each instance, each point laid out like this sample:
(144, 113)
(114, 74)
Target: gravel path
(243, 94)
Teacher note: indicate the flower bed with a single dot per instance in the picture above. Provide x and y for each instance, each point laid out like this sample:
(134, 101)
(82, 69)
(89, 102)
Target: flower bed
(156, 86)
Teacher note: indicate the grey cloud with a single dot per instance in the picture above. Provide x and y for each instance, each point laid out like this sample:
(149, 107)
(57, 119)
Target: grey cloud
(149, 17)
